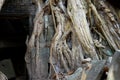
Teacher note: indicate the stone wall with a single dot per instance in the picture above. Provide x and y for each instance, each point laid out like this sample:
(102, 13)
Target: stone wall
(18, 7)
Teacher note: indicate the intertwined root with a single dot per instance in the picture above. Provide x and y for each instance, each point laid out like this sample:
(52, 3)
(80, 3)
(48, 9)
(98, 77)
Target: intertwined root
(72, 22)
(85, 30)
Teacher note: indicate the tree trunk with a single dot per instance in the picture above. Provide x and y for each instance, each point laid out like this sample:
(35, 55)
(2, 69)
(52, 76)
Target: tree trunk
(68, 36)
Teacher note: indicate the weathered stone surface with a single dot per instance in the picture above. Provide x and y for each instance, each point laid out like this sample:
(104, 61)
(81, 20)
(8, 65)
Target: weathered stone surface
(2, 76)
(45, 40)
(76, 76)
(17, 7)
(114, 72)
(95, 71)
(7, 68)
